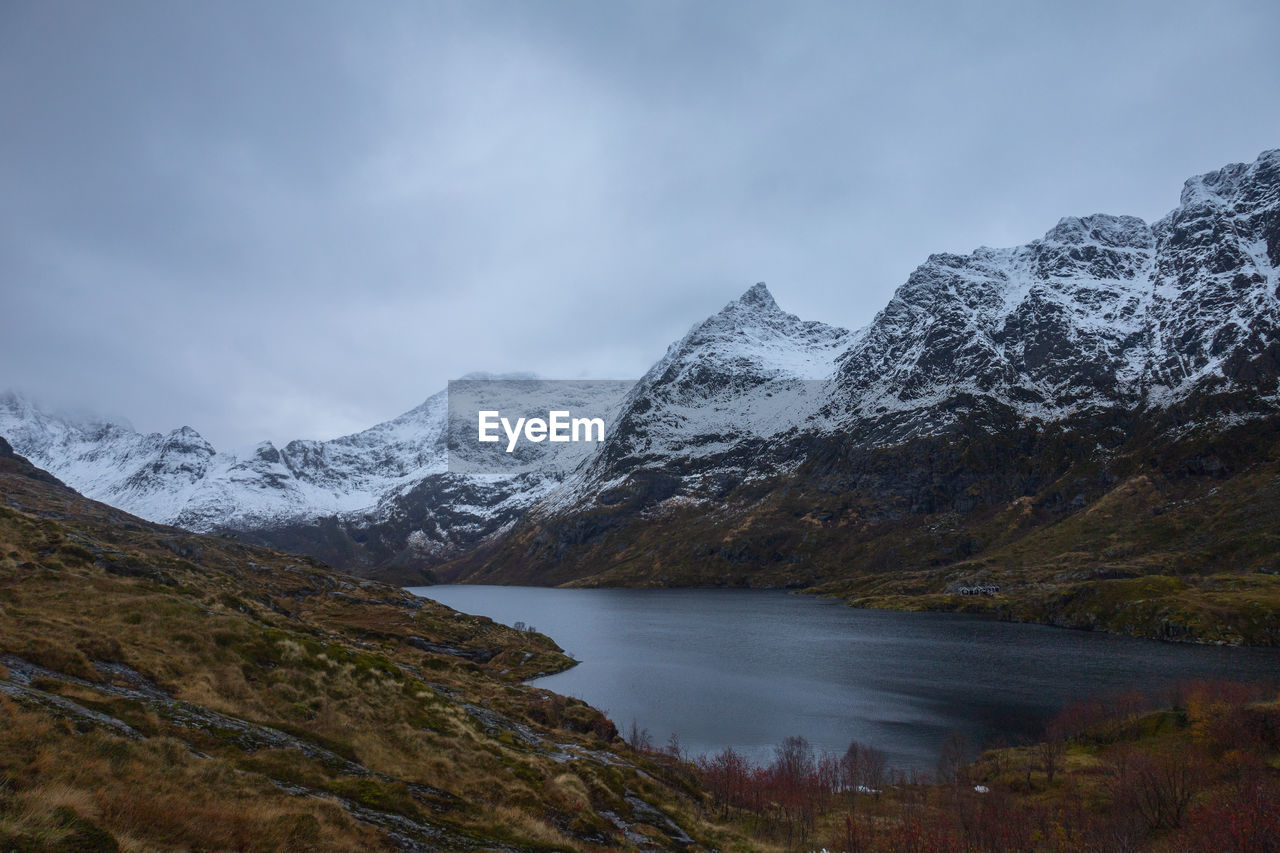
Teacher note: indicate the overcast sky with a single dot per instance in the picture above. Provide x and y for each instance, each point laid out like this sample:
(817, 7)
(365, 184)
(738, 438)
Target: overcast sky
(294, 220)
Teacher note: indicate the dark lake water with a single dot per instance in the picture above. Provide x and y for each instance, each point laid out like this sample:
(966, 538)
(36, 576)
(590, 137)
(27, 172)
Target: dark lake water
(747, 668)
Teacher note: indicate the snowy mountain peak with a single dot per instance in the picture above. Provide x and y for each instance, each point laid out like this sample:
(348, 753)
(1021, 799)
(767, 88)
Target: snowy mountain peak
(1103, 229)
(186, 440)
(1226, 185)
(737, 376)
(751, 336)
(758, 297)
(185, 433)
(267, 452)
(755, 307)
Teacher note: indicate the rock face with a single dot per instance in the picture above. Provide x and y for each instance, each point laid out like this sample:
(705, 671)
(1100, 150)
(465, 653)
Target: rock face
(1104, 327)
(1046, 329)
(1102, 312)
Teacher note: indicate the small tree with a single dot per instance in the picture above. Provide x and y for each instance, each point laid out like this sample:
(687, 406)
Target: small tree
(727, 776)
(793, 772)
(863, 768)
(952, 768)
(1159, 788)
(673, 747)
(1050, 750)
(875, 768)
(640, 739)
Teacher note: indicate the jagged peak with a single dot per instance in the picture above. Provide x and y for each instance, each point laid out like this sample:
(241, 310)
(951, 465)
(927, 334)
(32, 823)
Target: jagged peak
(267, 452)
(754, 308)
(758, 297)
(755, 312)
(1222, 184)
(185, 438)
(756, 303)
(1102, 228)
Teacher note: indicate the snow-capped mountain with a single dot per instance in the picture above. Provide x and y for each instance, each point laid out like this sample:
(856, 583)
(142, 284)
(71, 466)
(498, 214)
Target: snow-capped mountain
(391, 476)
(1104, 314)
(736, 382)
(1047, 329)
(374, 496)
(179, 478)
(989, 379)
(1103, 311)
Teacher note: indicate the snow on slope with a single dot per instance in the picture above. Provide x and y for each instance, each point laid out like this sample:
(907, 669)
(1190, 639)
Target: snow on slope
(750, 371)
(369, 477)
(745, 376)
(1216, 289)
(110, 462)
(1048, 328)
(178, 478)
(1103, 311)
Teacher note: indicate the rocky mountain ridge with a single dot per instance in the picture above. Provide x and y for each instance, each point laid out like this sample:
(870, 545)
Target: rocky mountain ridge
(1104, 328)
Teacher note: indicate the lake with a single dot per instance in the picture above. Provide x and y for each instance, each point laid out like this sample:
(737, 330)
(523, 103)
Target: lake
(747, 668)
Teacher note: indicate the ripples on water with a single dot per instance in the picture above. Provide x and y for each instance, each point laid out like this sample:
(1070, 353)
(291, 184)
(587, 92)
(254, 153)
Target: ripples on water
(747, 668)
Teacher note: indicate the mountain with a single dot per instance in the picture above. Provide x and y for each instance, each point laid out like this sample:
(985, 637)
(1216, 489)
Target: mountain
(1064, 421)
(998, 399)
(383, 496)
(735, 383)
(178, 478)
(1103, 312)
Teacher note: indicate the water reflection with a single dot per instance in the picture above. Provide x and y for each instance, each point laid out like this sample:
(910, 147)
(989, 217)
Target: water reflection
(746, 668)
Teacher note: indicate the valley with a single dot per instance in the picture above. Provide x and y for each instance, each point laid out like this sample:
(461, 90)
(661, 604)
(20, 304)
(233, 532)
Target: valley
(165, 690)
(1088, 422)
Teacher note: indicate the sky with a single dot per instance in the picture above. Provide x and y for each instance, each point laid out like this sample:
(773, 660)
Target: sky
(278, 220)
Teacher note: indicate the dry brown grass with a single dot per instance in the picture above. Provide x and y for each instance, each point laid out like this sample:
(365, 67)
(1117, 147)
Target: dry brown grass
(271, 645)
(143, 791)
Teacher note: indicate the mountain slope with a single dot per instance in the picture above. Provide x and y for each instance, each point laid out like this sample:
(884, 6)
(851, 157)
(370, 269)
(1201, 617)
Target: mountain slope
(732, 385)
(384, 496)
(166, 690)
(178, 478)
(1047, 373)
(997, 402)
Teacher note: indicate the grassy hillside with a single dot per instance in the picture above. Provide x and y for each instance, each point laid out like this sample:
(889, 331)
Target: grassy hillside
(166, 691)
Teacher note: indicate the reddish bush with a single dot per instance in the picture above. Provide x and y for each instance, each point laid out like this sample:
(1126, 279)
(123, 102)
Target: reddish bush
(1159, 787)
(1244, 818)
(727, 775)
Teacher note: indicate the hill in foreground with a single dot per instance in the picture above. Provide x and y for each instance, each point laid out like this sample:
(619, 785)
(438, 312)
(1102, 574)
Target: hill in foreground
(164, 690)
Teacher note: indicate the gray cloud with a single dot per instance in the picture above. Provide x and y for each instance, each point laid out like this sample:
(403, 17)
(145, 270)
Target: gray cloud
(296, 219)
